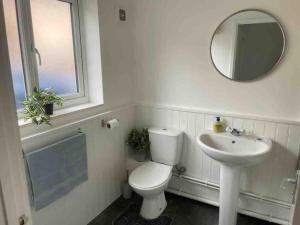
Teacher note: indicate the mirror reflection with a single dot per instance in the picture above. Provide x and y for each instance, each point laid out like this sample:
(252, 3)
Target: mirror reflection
(247, 45)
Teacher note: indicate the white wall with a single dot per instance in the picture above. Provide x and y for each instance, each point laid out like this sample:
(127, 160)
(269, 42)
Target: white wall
(172, 62)
(116, 53)
(108, 56)
(176, 85)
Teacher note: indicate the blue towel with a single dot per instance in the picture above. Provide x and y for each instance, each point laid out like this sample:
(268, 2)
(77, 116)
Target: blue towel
(55, 170)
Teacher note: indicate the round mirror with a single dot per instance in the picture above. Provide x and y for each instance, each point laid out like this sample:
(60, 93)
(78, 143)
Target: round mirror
(247, 45)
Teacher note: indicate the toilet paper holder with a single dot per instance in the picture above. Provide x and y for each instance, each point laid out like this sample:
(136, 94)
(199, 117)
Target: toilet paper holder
(108, 123)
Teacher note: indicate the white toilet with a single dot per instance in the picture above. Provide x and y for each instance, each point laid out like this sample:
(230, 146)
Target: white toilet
(151, 179)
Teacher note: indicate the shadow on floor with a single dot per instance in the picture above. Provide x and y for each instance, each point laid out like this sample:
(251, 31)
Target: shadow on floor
(182, 210)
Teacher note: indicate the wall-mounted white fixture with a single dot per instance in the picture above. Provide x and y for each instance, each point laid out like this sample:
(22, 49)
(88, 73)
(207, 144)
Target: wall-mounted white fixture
(233, 152)
(110, 124)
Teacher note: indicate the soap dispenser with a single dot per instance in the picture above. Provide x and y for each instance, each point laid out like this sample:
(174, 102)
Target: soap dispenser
(218, 126)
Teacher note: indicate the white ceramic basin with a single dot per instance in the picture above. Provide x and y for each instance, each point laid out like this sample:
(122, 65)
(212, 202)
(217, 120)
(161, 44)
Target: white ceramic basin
(229, 149)
(233, 153)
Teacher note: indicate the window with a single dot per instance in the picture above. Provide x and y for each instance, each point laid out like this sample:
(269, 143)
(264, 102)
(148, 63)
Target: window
(14, 51)
(47, 38)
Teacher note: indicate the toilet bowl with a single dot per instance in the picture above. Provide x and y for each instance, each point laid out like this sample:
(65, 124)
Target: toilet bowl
(151, 179)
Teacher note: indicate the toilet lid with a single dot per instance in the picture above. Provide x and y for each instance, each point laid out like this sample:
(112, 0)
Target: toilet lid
(150, 175)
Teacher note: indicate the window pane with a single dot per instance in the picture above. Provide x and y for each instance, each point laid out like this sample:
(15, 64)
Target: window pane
(53, 35)
(14, 51)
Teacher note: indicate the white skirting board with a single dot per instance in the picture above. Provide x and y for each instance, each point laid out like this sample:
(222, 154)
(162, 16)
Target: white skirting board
(249, 204)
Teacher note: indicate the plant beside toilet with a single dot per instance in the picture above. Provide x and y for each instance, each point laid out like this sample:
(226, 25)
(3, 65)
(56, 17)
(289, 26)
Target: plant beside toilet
(139, 143)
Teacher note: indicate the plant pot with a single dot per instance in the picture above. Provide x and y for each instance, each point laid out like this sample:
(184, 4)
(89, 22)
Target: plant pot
(140, 156)
(49, 109)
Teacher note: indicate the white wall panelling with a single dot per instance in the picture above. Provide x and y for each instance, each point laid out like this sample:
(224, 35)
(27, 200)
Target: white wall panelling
(263, 182)
(106, 169)
(3, 219)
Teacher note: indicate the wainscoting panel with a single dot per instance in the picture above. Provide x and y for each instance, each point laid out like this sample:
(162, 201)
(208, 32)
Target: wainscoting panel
(3, 219)
(106, 151)
(265, 181)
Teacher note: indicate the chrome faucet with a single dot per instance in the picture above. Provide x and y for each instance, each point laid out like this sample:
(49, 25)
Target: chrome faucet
(235, 132)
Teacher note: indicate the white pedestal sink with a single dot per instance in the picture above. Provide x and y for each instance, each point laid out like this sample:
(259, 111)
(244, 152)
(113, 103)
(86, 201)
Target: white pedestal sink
(233, 153)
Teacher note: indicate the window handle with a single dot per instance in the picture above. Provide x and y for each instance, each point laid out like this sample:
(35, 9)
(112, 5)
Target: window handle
(39, 55)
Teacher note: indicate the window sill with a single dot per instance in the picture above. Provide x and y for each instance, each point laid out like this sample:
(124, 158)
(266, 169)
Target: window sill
(62, 112)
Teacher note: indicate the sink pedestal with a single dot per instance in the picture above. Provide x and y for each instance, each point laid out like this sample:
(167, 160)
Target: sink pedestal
(229, 194)
(233, 153)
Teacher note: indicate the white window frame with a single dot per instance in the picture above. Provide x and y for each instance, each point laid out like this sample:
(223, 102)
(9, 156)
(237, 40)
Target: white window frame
(30, 63)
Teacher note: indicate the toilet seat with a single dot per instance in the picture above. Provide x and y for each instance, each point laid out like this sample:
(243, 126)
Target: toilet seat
(150, 175)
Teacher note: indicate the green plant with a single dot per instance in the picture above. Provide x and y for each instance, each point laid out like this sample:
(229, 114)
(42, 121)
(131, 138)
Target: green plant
(139, 140)
(34, 105)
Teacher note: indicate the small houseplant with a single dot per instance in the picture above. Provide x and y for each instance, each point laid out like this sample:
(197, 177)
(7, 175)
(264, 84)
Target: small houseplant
(139, 143)
(39, 106)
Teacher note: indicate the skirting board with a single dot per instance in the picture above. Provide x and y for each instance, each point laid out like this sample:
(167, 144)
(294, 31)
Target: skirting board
(258, 208)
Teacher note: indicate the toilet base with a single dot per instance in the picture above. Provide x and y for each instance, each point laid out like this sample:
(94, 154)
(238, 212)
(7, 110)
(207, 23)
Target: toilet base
(152, 207)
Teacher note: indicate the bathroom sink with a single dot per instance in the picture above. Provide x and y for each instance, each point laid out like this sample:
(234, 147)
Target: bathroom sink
(240, 150)
(233, 153)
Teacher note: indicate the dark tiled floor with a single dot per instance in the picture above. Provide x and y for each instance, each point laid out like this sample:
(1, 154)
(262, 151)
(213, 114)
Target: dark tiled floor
(183, 211)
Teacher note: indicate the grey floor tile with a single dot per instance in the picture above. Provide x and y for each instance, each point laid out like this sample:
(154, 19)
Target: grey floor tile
(183, 211)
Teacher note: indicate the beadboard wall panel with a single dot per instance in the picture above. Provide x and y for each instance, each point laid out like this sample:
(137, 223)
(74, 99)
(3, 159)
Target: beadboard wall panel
(2, 208)
(266, 180)
(106, 152)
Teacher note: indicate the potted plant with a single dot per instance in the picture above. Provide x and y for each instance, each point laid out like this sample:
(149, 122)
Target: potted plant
(139, 143)
(39, 106)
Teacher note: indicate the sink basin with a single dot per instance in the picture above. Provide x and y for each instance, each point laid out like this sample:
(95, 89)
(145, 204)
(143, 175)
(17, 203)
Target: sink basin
(233, 153)
(241, 150)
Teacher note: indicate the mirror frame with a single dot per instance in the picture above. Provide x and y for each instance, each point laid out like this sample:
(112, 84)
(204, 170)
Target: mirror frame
(274, 66)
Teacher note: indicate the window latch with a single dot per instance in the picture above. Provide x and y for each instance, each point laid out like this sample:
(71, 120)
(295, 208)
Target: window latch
(39, 56)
